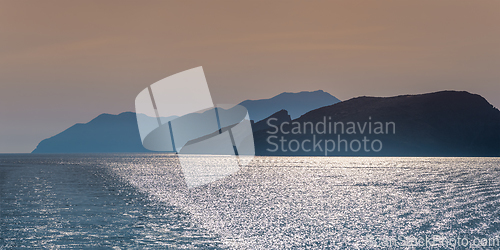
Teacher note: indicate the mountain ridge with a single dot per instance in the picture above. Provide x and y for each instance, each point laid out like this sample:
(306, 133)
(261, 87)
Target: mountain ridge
(108, 133)
(296, 104)
(444, 123)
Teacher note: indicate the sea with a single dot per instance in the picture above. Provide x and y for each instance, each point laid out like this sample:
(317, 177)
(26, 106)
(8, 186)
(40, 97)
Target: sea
(141, 201)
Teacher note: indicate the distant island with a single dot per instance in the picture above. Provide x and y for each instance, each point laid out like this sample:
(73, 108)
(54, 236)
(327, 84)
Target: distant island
(446, 123)
(296, 104)
(119, 133)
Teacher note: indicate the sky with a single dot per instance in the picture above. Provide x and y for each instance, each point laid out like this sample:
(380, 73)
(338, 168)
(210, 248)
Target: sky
(66, 62)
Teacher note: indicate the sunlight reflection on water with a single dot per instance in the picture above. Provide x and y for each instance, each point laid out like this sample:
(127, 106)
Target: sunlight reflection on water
(284, 202)
(141, 200)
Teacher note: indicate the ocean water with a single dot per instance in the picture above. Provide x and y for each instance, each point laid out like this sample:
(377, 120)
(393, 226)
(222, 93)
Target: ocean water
(140, 201)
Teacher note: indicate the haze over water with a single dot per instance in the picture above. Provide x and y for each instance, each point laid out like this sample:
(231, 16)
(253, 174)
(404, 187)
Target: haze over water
(141, 201)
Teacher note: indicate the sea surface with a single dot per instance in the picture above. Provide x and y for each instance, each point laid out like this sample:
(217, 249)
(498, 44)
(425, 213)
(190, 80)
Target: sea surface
(140, 201)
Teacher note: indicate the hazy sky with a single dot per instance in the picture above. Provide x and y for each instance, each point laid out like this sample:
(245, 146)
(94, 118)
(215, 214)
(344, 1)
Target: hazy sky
(63, 62)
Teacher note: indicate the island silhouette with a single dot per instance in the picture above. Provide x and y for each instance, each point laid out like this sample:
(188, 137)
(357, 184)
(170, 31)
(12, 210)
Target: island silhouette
(445, 123)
